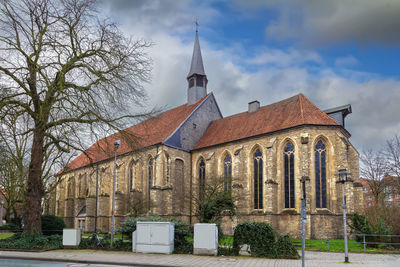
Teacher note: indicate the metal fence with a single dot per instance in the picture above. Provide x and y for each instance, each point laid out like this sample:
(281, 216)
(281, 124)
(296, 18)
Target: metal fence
(365, 239)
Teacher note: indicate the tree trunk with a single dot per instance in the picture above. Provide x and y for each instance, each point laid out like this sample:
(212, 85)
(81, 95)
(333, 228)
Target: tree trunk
(34, 190)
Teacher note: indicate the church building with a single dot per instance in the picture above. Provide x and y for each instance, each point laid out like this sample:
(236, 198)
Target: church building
(261, 155)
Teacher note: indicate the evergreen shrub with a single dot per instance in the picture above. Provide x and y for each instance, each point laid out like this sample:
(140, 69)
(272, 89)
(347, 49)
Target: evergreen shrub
(259, 236)
(262, 241)
(52, 225)
(26, 241)
(10, 227)
(285, 248)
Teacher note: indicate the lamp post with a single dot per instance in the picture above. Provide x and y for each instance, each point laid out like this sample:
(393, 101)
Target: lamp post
(1, 212)
(343, 173)
(303, 221)
(116, 146)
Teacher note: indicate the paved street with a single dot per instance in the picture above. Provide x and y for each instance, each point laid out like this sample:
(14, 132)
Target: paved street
(137, 259)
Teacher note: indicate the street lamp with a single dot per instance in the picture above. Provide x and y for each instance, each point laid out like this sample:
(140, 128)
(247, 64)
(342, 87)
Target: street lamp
(303, 221)
(116, 146)
(343, 173)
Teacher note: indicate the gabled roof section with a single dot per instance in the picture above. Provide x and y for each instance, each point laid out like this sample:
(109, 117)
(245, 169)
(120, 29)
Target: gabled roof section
(196, 67)
(288, 113)
(147, 133)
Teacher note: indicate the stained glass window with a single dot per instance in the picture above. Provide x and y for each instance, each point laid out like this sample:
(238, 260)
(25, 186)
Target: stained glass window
(288, 157)
(202, 178)
(320, 174)
(227, 173)
(258, 180)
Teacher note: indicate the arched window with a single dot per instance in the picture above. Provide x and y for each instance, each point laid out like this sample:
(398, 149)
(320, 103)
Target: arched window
(227, 173)
(320, 175)
(288, 156)
(131, 177)
(202, 179)
(150, 174)
(258, 180)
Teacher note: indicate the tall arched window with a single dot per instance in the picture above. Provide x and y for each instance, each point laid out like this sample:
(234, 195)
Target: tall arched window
(150, 174)
(288, 156)
(258, 180)
(202, 179)
(131, 177)
(227, 173)
(320, 174)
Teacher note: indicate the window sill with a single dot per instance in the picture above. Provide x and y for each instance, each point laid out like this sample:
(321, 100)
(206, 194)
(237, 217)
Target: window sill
(290, 211)
(323, 211)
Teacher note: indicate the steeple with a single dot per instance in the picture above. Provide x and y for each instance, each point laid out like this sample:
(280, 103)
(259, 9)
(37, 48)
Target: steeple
(197, 79)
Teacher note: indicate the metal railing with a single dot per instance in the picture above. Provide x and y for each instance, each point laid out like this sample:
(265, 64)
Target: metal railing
(364, 237)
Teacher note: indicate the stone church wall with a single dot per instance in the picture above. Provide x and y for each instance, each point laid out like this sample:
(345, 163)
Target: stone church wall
(174, 183)
(340, 155)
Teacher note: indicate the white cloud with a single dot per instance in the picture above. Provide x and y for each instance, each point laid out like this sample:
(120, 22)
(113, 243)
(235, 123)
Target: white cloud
(316, 22)
(282, 58)
(279, 74)
(347, 61)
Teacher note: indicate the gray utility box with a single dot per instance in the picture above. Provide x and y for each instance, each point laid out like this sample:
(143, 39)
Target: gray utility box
(205, 239)
(71, 237)
(154, 237)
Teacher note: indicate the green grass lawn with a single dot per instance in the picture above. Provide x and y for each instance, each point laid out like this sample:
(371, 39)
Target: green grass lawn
(336, 245)
(5, 235)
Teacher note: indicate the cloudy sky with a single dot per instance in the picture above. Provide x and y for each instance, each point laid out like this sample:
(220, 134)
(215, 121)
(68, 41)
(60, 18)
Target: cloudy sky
(334, 52)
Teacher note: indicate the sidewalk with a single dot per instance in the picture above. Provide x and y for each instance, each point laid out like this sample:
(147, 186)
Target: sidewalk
(137, 259)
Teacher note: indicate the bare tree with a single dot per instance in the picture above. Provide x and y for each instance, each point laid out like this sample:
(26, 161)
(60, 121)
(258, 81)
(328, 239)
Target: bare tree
(71, 73)
(392, 153)
(374, 169)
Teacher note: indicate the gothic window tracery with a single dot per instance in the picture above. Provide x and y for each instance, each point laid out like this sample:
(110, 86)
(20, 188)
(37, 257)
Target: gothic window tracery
(320, 175)
(288, 157)
(202, 178)
(228, 173)
(258, 180)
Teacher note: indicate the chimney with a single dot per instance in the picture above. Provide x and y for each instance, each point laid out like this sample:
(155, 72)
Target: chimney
(253, 106)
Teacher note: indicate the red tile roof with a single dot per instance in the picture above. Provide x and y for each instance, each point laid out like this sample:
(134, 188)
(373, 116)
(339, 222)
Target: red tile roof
(144, 134)
(294, 111)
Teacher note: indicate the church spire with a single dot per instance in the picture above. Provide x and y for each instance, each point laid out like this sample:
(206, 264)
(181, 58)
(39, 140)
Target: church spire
(197, 79)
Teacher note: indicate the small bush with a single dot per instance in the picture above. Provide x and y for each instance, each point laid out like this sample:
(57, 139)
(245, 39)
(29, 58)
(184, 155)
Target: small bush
(262, 241)
(10, 227)
(285, 248)
(52, 225)
(258, 235)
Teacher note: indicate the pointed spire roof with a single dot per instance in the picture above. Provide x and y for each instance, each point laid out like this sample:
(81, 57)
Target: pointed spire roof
(197, 61)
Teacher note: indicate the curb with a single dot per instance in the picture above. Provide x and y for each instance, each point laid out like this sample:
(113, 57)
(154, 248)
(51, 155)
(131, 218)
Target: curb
(83, 261)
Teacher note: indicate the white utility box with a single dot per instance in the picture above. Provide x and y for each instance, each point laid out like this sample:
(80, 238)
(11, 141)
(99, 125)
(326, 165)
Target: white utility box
(205, 239)
(71, 237)
(154, 237)
(134, 241)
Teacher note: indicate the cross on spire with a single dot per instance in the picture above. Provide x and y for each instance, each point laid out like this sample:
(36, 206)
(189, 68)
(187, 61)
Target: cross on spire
(196, 22)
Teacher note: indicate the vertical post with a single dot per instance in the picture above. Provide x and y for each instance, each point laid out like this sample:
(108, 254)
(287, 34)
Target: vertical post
(303, 222)
(116, 146)
(364, 242)
(327, 242)
(346, 251)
